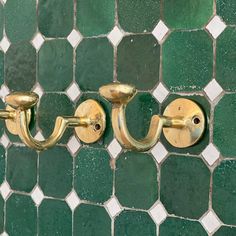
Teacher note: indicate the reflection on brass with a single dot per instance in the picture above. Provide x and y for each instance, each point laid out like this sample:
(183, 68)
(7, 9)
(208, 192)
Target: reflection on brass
(89, 120)
(183, 122)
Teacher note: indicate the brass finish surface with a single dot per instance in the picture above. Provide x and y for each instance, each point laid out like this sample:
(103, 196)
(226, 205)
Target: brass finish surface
(182, 121)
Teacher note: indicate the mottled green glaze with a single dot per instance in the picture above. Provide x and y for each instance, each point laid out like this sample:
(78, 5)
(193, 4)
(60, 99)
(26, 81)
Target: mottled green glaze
(22, 168)
(2, 164)
(136, 180)
(226, 231)
(134, 223)
(187, 61)
(1, 214)
(1, 65)
(138, 60)
(1, 20)
(227, 10)
(91, 220)
(184, 181)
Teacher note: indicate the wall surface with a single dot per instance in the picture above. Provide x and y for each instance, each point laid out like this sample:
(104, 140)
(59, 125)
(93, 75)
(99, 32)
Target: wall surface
(66, 50)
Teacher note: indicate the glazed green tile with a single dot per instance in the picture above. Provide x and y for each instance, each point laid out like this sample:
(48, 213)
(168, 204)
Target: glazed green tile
(194, 14)
(51, 106)
(223, 194)
(225, 59)
(138, 16)
(21, 168)
(55, 17)
(1, 20)
(21, 216)
(185, 185)
(197, 148)
(20, 20)
(2, 164)
(227, 10)
(91, 220)
(134, 223)
(1, 65)
(136, 180)
(55, 172)
(224, 126)
(226, 231)
(181, 227)
(20, 66)
(95, 17)
(58, 54)
(94, 63)
(108, 133)
(54, 218)
(139, 113)
(187, 61)
(93, 175)
(1, 214)
(138, 59)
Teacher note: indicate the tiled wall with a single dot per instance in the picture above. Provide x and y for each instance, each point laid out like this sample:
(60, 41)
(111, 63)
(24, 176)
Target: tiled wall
(66, 50)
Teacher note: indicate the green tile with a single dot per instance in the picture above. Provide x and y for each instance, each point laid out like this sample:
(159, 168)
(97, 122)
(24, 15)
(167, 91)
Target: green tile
(1, 214)
(108, 133)
(197, 148)
(227, 10)
(20, 20)
(223, 195)
(225, 59)
(181, 227)
(55, 218)
(55, 17)
(138, 60)
(55, 172)
(226, 231)
(223, 130)
(21, 168)
(187, 61)
(20, 66)
(58, 54)
(51, 106)
(136, 180)
(138, 16)
(92, 73)
(185, 185)
(91, 220)
(1, 65)
(1, 20)
(2, 164)
(95, 17)
(194, 14)
(139, 113)
(134, 223)
(93, 175)
(21, 216)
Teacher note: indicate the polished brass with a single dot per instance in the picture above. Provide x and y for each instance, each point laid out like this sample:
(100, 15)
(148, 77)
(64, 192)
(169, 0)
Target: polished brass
(89, 120)
(183, 120)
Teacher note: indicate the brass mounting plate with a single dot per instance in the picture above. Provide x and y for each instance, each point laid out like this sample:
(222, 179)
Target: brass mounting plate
(92, 110)
(194, 119)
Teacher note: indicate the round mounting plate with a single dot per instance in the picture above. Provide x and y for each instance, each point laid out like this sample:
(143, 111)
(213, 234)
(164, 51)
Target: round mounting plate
(11, 124)
(92, 110)
(194, 123)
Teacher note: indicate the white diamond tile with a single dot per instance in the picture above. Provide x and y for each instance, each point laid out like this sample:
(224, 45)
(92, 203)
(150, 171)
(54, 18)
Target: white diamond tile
(211, 154)
(4, 1)
(113, 206)
(38, 89)
(213, 90)
(39, 136)
(5, 190)
(114, 148)
(4, 234)
(210, 222)
(159, 152)
(5, 44)
(115, 36)
(216, 26)
(4, 91)
(160, 92)
(72, 200)
(38, 41)
(158, 213)
(5, 140)
(73, 145)
(160, 31)
(74, 38)
(73, 91)
(37, 195)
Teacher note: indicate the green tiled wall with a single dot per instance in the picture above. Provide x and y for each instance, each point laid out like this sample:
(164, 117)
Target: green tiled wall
(66, 50)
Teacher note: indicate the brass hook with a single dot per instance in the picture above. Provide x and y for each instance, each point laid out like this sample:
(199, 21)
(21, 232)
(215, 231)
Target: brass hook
(89, 120)
(183, 122)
